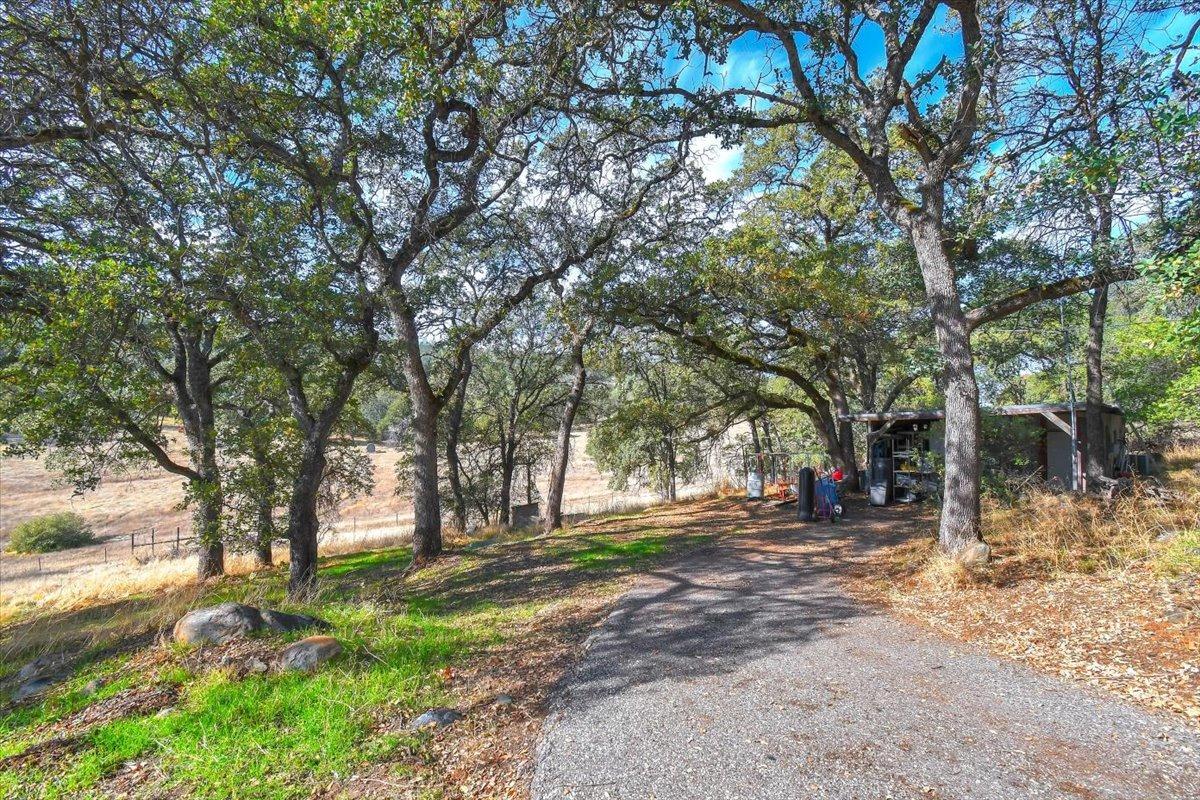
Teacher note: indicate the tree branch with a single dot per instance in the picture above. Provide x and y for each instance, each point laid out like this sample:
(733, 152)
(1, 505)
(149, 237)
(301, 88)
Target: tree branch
(1017, 301)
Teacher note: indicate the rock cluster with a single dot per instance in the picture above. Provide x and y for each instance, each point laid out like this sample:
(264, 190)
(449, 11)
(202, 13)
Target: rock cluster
(230, 621)
(214, 625)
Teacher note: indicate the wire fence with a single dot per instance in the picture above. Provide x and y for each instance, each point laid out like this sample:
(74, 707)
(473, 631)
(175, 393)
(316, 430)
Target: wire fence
(628, 502)
(146, 544)
(160, 541)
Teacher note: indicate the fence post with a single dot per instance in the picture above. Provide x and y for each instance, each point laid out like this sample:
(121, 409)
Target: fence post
(177, 542)
(131, 543)
(152, 542)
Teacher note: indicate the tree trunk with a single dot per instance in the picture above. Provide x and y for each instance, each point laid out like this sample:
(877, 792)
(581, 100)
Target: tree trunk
(849, 461)
(453, 430)
(192, 382)
(827, 433)
(303, 523)
(849, 457)
(839, 443)
(562, 451)
(959, 527)
(206, 524)
(1097, 449)
(206, 494)
(831, 433)
(427, 513)
(842, 430)
(670, 451)
(265, 533)
(508, 456)
(1096, 454)
(264, 524)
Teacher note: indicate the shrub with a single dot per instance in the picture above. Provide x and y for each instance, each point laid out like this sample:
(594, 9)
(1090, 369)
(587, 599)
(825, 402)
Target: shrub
(49, 533)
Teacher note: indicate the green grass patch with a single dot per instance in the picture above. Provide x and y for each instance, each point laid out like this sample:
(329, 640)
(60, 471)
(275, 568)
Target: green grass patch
(273, 737)
(604, 552)
(265, 736)
(1180, 556)
(17, 725)
(610, 553)
(395, 557)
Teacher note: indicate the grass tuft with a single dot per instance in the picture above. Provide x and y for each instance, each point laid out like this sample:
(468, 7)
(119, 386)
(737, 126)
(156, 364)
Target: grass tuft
(942, 574)
(1180, 556)
(1041, 534)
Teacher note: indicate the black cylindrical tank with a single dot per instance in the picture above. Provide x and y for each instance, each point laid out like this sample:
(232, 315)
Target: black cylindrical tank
(806, 482)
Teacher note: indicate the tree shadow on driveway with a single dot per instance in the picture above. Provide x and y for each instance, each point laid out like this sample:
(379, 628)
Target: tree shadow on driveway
(769, 587)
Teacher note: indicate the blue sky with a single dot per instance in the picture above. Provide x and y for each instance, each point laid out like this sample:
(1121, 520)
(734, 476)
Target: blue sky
(750, 55)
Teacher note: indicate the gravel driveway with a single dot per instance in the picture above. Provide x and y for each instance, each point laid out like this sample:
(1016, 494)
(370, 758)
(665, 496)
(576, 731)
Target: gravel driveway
(744, 671)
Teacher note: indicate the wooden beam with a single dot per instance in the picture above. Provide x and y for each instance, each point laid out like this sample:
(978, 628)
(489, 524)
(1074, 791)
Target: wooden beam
(1058, 423)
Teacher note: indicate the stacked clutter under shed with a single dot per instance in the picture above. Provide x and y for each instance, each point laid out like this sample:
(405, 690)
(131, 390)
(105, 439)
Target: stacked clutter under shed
(906, 447)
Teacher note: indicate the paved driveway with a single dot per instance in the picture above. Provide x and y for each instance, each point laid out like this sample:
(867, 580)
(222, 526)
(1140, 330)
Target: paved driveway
(744, 671)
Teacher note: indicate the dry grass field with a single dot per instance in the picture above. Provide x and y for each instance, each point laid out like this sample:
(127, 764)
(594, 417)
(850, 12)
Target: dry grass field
(136, 501)
(150, 497)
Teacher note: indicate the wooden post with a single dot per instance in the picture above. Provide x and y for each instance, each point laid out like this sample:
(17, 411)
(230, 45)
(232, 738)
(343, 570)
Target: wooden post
(152, 542)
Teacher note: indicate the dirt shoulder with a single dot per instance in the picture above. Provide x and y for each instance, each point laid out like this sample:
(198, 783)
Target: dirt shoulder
(1128, 628)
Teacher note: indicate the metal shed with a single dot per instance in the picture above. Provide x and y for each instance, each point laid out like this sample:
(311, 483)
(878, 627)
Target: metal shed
(902, 446)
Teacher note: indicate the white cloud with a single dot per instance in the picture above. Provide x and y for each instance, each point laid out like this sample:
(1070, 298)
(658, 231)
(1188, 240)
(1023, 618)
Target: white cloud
(717, 163)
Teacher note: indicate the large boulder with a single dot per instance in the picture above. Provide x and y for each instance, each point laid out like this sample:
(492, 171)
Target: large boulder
(282, 622)
(308, 654)
(218, 624)
(228, 621)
